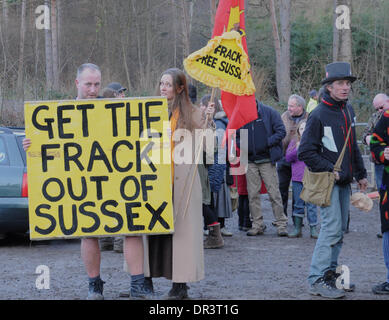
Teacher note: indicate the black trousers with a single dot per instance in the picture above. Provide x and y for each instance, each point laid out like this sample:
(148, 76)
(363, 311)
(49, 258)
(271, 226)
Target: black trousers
(209, 215)
(284, 171)
(244, 211)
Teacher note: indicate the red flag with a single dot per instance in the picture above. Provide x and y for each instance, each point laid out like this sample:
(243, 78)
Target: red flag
(239, 109)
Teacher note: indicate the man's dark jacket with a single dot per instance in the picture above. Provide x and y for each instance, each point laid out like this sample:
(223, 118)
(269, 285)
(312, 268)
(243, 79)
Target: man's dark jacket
(324, 137)
(275, 130)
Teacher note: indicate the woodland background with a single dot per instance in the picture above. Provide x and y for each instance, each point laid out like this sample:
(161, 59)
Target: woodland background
(133, 41)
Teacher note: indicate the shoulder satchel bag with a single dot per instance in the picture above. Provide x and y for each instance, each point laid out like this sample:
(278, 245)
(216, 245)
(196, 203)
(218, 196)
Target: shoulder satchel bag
(317, 186)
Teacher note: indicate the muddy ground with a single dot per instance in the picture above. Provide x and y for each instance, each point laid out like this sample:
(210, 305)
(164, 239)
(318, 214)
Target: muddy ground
(247, 268)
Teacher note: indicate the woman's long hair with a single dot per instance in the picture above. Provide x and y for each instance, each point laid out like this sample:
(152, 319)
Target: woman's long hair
(298, 128)
(181, 99)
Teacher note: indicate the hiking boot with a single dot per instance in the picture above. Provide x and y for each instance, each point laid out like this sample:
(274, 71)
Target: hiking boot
(118, 245)
(314, 233)
(141, 290)
(247, 223)
(297, 231)
(106, 244)
(331, 276)
(256, 231)
(214, 239)
(179, 291)
(148, 283)
(382, 288)
(325, 289)
(225, 232)
(96, 290)
(282, 232)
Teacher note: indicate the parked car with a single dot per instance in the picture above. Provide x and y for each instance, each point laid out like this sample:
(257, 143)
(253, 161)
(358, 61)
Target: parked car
(13, 182)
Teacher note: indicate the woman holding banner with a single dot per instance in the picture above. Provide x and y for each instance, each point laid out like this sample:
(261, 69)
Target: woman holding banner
(180, 256)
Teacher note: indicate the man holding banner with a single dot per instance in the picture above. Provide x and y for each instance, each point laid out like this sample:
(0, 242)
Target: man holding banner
(88, 84)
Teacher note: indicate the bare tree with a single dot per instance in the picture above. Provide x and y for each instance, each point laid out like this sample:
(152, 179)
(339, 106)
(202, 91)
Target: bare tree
(282, 48)
(186, 22)
(213, 11)
(49, 55)
(54, 44)
(20, 81)
(174, 15)
(285, 7)
(5, 19)
(342, 38)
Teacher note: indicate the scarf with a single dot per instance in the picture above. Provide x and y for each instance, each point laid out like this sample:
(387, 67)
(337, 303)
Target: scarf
(173, 125)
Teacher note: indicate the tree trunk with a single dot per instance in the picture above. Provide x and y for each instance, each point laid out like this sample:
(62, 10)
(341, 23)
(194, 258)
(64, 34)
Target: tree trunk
(342, 42)
(174, 15)
(149, 54)
(282, 49)
(2, 82)
(49, 56)
(285, 50)
(277, 44)
(139, 46)
(335, 35)
(213, 12)
(20, 81)
(185, 30)
(5, 20)
(54, 42)
(3, 39)
(59, 30)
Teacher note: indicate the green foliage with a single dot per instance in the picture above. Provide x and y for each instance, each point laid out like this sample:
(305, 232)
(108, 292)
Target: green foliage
(310, 40)
(311, 47)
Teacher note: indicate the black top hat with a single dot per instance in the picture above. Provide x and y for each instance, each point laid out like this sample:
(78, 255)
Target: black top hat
(338, 71)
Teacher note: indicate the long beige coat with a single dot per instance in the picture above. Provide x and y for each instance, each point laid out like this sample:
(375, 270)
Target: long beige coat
(188, 253)
(187, 261)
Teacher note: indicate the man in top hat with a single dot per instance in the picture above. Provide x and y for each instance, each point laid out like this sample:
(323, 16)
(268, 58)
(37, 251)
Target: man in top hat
(118, 89)
(321, 144)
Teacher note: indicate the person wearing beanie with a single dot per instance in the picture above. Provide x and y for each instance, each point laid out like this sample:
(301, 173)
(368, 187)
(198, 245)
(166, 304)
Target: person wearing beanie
(313, 101)
(119, 90)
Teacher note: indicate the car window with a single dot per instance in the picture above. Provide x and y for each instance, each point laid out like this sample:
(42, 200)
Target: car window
(4, 159)
(19, 139)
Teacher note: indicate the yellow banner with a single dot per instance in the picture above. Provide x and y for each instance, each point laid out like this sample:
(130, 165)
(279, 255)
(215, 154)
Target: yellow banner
(223, 63)
(98, 168)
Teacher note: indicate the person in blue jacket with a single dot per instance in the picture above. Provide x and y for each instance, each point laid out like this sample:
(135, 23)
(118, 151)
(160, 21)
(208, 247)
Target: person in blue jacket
(265, 136)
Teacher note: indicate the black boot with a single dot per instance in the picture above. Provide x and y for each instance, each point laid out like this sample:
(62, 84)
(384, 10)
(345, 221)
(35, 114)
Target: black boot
(240, 212)
(246, 213)
(179, 291)
(96, 287)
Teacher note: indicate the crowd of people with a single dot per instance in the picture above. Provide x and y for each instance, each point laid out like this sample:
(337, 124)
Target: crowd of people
(279, 149)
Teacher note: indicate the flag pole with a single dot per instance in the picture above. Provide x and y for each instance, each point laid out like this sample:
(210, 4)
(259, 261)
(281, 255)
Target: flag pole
(213, 94)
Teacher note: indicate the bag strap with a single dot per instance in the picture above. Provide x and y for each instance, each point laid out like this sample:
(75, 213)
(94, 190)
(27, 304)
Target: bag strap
(341, 156)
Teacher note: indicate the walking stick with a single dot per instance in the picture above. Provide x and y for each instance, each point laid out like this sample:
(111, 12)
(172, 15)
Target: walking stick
(198, 156)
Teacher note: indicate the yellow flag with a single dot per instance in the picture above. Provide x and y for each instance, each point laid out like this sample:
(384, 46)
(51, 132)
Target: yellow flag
(223, 63)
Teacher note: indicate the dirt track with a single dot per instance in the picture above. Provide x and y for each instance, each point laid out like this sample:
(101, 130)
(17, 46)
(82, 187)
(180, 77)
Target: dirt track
(247, 268)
